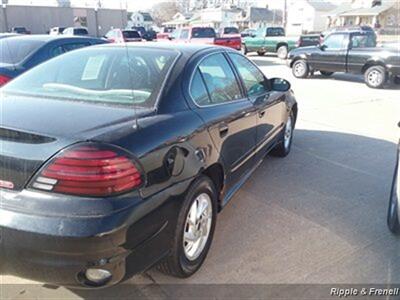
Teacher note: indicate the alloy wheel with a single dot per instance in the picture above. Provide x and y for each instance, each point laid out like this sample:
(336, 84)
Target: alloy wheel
(197, 227)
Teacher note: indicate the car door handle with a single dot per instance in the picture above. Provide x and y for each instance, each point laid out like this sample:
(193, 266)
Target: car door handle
(261, 114)
(223, 130)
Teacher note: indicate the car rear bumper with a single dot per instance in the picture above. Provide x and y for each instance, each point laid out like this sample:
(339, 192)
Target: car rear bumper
(59, 250)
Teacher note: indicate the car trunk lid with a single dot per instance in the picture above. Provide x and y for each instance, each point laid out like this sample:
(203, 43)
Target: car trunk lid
(32, 130)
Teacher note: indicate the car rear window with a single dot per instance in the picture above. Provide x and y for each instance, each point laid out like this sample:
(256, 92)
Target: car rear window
(102, 75)
(231, 30)
(131, 34)
(80, 31)
(15, 50)
(203, 32)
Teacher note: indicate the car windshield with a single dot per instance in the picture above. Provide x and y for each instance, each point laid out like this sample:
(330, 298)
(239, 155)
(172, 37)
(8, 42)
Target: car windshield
(102, 75)
(15, 50)
(203, 32)
(231, 30)
(131, 34)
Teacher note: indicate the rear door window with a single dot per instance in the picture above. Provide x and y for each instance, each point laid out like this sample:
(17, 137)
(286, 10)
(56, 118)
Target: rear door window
(15, 50)
(219, 79)
(198, 90)
(200, 32)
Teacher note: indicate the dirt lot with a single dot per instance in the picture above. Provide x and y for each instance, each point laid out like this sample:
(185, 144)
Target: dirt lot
(317, 216)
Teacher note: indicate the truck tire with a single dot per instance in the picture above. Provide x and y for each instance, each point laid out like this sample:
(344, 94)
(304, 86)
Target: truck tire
(375, 77)
(260, 53)
(300, 69)
(325, 73)
(282, 52)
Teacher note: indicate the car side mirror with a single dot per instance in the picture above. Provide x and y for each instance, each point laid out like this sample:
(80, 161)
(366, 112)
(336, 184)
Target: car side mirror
(253, 35)
(279, 84)
(323, 47)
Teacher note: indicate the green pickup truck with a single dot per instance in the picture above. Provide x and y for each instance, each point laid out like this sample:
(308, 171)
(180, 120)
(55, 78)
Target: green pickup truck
(269, 39)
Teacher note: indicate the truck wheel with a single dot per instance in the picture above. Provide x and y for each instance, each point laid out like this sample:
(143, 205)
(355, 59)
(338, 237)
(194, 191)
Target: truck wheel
(375, 77)
(260, 53)
(300, 69)
(325, 73)
(282, 52)
(244, 50)
(194, 230)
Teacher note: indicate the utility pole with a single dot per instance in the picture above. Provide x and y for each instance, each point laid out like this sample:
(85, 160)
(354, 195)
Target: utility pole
(285, 14)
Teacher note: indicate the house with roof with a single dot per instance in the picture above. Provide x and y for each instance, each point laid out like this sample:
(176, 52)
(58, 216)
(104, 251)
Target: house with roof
(257, 17)
(382, 15)
(140, 19)
(179, 20)
(216, 17)
(304, 16)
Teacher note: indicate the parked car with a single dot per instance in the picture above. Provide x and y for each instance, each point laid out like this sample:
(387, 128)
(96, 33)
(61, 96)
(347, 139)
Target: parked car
(351, 52)
(20, 30)
(79, 31)
(248, 32)
(393, 219)
(56, 30)
(148, 35)
(92, 191)
(205, 35)
(165, 33)
(21, 53)
(123, 36)
(306, 40)
(269, 39)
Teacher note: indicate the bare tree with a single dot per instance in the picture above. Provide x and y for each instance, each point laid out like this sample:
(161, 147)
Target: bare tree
(164, 11)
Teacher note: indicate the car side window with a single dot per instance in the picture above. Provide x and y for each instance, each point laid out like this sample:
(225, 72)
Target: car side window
(335, 42)
(362, 41)
(198, 90)
(58, 50)
(253, 79)
(74, 46)
(220, 80)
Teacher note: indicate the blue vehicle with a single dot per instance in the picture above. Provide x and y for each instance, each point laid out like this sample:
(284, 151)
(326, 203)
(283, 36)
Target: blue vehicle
(21, 53)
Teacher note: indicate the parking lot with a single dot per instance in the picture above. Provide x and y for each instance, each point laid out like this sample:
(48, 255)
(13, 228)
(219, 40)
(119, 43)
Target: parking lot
(317, 216)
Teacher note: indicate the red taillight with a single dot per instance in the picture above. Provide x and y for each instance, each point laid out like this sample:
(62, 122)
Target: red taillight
(4, 79)
(89, 170)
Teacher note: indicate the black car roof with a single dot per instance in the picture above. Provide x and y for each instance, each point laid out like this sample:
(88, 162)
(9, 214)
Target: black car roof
(188, 49)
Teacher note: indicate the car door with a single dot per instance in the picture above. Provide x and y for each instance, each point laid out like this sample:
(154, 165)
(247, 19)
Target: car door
(229, 115)
(270, 105)
(331, 55)
(256, 41)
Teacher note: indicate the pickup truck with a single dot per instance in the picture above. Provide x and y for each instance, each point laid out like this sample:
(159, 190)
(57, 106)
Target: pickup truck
(351, 52)
(205, 35)
(269, 39)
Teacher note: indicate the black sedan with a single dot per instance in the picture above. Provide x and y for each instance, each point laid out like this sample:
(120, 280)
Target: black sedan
(116, 158)
(23, 52)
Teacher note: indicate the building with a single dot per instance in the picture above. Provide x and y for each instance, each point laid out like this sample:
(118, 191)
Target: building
(382, 15)
(305, 16)
(257, 17)
(39, 19)
(141, 19)
(179, 20)
(217, 17)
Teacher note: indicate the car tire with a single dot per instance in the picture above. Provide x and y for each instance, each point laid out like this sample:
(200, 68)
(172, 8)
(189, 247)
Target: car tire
(393, 215)
(282, 52)
(300, 69)
(282, 149)
(182, 261)
(375, 77)
(326, 73)
(260, 53)
(244, 50)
